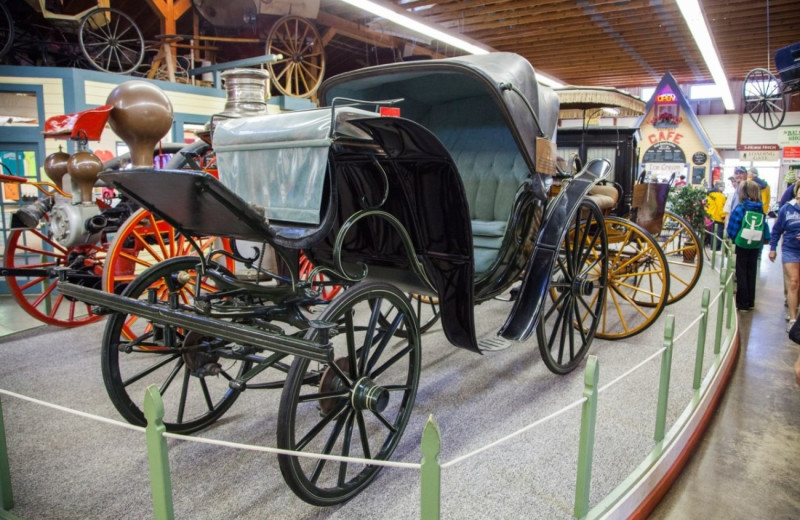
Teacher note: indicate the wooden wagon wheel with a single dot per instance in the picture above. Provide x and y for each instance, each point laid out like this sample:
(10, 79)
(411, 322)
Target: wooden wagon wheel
(111, 41)
(764, 99)
(300, 72)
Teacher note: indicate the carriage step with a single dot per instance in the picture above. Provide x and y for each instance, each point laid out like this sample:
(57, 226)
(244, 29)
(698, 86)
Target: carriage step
(493, 343)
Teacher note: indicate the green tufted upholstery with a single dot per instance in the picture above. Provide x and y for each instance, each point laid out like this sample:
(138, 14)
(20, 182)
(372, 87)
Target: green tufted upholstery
(490, 165)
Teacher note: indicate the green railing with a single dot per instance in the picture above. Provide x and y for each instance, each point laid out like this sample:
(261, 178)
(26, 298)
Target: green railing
(430, 468)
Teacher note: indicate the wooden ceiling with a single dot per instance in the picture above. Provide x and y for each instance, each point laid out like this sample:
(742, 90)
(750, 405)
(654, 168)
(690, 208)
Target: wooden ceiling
(614, 43)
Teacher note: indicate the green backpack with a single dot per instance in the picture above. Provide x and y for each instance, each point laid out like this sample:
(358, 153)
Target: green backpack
(751, 232)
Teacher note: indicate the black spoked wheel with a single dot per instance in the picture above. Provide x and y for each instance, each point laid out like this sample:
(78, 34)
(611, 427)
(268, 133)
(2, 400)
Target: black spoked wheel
(111, 41)
(191, 370)
(358, 405)
(6, 30)
(577, 290)
(764, 99)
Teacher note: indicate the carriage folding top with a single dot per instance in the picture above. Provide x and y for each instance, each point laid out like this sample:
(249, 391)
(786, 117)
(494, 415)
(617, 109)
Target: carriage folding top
(440, 201)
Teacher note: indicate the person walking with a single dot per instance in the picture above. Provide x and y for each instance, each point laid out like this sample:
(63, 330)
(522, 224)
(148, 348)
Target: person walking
(748, 230)
(739, 176)
(787, 226)
(715, 208)
(766, 194)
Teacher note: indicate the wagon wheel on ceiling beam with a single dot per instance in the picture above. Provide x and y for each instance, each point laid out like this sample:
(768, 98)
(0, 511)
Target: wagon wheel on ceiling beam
(300, 72)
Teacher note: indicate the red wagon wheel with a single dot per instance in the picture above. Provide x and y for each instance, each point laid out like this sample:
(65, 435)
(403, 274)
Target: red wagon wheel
(36, 291)
(300, 72)
(142, 241)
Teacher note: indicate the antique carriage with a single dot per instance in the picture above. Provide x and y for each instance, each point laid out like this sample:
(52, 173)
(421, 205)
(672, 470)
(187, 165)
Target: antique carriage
(766, 96)
(449, 201)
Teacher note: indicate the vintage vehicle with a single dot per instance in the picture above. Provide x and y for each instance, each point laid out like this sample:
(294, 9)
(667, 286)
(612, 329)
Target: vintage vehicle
(60, 35)
(765, 96)
(414, 180)
(103, 244)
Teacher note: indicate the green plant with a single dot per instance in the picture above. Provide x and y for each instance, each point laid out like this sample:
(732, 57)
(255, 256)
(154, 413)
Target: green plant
(690, 203)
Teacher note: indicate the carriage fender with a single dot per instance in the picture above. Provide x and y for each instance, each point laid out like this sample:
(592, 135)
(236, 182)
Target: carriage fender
(524, 315)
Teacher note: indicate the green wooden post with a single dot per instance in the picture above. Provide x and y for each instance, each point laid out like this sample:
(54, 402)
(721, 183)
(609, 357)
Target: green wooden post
(431, 471)
(6, 498)
(701, 339)
(731, 307)
(160, 483)
(723, 288)
(663, 388)
(714, 242)
(586, 447)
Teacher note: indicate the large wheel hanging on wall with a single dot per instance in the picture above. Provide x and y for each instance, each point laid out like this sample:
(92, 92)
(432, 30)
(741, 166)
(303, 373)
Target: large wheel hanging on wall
(764, 99)
(111, 41)
(300, 72)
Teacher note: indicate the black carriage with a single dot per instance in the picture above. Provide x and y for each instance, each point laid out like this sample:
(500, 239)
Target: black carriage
(765, 96)
(449, 202)
(70, 34)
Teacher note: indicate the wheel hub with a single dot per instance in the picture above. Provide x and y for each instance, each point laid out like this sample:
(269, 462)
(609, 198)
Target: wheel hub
(199, 362)
(369, 396)
(331, 382)
(582, 285)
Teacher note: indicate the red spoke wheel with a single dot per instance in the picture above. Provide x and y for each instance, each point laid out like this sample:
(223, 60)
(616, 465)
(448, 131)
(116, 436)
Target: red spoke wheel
(36, 293)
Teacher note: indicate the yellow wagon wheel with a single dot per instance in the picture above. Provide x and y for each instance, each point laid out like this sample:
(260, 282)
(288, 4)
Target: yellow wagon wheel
(638, 280)
(684, 255)
(300, 72)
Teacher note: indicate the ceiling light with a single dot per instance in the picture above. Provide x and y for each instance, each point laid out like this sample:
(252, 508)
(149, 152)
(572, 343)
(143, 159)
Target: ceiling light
(409, 22)
(691, 12)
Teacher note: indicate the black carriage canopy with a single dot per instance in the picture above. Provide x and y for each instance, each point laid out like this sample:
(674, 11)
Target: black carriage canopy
(529, 109)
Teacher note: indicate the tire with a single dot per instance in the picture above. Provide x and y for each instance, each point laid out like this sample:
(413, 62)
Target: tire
(191, 371)
(572, 311)
(358, 405)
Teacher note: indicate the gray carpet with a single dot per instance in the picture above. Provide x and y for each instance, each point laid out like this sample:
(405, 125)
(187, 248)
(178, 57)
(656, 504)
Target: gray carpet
(67, 467)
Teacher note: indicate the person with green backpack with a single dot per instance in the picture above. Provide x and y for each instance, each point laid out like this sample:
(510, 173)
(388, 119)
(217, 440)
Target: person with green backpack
(747, 227)
(787, 225)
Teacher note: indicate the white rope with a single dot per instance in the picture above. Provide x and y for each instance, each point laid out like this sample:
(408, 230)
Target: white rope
(278, 451)
(635, 368)
(514, 434)
(74, 412)
(684, 331)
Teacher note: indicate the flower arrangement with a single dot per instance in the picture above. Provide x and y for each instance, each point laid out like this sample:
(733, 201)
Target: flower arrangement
(666, 119)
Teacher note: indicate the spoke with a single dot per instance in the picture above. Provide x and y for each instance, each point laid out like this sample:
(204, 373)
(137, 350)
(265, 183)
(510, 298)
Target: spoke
(44, 295)
(329, 444)
(30, 284)
(56, 305)
(206, 394)
(384, 342)
(184, 393)
(150, 370)
(177, 368)
(362, 432)
(300, 445)
(348, 438)
(391, 361)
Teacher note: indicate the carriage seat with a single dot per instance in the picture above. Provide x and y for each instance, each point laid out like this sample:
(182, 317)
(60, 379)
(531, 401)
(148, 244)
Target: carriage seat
(490, 165)
(605, 196)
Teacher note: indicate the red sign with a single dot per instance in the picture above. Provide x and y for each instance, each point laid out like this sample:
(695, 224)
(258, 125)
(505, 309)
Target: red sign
(791, 152)
(757, 147)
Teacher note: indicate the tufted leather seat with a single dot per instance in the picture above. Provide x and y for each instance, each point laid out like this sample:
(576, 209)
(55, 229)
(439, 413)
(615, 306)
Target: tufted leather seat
(490, 166)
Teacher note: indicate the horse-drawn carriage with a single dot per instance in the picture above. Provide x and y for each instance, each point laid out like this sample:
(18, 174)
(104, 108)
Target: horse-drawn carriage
(71, 34)
(766, 96)
(449, 201)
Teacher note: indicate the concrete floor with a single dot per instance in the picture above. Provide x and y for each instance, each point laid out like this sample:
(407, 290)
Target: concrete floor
(748, 462)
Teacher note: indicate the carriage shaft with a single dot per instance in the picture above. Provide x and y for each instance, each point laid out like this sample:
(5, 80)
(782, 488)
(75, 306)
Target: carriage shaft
(226, 330)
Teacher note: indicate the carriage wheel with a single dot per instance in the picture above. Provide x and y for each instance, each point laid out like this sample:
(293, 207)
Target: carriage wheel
(570, 316)
(6, 30)
(357, 405)
(300, 72)
(684, 255)
(764, 99)
(144, 239)
(37, 293)
(191, 371)
(111, 41)
(638, 280)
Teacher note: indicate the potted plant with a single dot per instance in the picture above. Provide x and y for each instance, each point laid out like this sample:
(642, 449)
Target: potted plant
(689, 202)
